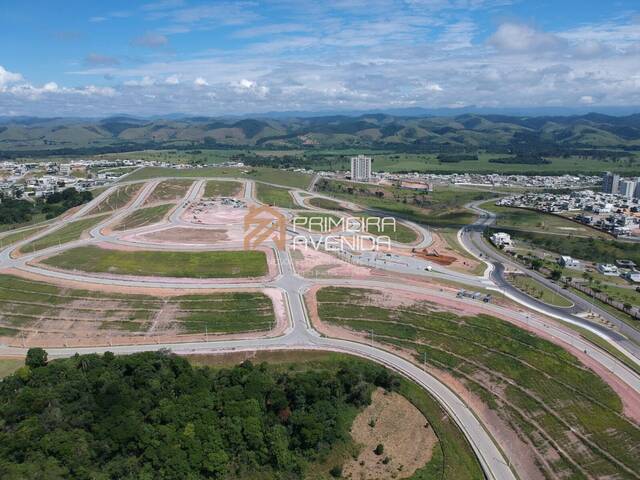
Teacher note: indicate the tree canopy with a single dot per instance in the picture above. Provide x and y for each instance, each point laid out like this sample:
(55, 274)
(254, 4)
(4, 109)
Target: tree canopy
(154, 416)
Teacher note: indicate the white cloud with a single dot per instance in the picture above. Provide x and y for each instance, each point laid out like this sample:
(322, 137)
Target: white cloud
(517, 37)
(200, 82)
(7, 77)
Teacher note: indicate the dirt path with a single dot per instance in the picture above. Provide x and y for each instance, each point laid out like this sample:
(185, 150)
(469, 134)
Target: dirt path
(394, 422)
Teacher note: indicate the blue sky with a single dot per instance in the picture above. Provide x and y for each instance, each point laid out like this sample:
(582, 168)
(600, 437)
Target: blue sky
(98, 58)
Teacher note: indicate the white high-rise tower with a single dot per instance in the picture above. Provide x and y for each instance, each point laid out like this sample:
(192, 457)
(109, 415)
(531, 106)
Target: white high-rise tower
(360, 168)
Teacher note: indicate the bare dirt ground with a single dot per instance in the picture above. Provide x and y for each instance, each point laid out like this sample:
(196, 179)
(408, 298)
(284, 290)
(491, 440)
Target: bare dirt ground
(185, 235)
(448, 256)
(214, 213)
(312, 263)
(518, 450)
(394, 422)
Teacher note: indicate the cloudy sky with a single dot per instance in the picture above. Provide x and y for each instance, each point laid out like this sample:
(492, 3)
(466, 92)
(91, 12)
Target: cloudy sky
(96, 58)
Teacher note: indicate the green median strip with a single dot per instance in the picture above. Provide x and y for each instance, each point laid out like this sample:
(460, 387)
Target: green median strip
(144, 216)
(70, 232)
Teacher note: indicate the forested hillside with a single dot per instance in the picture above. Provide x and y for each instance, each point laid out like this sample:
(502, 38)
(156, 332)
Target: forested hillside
(154, 416)
(549, 135)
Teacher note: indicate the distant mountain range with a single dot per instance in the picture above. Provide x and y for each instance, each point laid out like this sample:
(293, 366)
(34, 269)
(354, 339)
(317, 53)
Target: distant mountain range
(466, 132)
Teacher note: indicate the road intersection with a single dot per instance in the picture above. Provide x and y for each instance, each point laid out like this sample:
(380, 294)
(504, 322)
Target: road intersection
(300, 333)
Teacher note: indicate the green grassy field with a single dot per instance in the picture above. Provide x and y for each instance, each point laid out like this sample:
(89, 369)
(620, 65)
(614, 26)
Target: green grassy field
(390, 161)
(539, 291)
(169, 191)
(327, 204)
(443, 207)
(387, 161)
(9, 365)
(532, 221)
(144, 216)
(541, 390)
(275, 196)
(117, 199)
(217, 188)
(19, 236)
(261, 174)
(70, 232)
(216, 264)
(61, 312)
(453, 458)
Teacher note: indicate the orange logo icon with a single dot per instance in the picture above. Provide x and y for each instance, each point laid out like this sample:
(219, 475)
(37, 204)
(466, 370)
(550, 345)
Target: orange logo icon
(264, 223)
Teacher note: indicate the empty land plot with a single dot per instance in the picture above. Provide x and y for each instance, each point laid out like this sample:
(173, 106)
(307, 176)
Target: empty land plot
(222, 188)
(54, 311)
(70, 232)
(570, 417)
(117, 199)
(144, 216)
(169, 191)
(534, 221)
(216, 264)
(265, 174)
(275, 196)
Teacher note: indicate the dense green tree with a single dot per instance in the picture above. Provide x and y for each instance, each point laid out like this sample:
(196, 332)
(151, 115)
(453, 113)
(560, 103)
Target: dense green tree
(154, 416)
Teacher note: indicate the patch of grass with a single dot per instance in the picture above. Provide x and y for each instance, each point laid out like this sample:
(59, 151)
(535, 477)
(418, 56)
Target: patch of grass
(9, 365)
(217, 188)
(327, 204)
(215, 264)
(271, 175)
(144, 216)
(534, 221)
(539, 291)
(70, 232)
(25, 302)
(444, 207)
(19, 236)
(539, 388)
(35, 219)
(118, 199)
(169, 191)
(275, 196)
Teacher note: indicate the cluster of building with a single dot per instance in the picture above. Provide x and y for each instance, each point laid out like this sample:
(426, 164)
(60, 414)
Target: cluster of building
(612, 213)
(625, 187)
(40, 179)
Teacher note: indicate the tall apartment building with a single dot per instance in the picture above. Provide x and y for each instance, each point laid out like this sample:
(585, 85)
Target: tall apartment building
(610, 182)
(636, 192)
(360, 168)
(626, 188)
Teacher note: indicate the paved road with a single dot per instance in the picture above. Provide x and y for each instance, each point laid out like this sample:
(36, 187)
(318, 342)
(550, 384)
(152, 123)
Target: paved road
(300, 333)
(473, 240)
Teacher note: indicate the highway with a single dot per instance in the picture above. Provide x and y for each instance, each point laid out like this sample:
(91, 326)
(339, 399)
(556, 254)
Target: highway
(300, 333)
(472, 239)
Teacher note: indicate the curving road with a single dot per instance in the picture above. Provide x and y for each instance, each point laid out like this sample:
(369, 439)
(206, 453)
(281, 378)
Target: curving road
(300, 333)
(472, 239)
